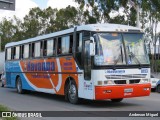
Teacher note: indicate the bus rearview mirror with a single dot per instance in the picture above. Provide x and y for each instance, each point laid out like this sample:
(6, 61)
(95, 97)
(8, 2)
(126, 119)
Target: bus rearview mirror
(92, 47)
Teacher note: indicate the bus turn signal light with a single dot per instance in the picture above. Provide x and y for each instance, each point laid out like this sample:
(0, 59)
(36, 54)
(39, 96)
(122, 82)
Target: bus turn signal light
(146, 89)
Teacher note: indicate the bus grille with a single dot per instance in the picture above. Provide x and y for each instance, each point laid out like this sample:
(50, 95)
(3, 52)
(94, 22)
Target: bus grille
(120, 81)
(126, 76)
(134, 81)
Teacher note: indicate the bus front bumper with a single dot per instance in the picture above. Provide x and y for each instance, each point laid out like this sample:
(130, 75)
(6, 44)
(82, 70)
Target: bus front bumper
(122, 91)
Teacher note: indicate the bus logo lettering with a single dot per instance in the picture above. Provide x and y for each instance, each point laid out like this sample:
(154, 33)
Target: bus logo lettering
(43, 66)
(116, 71)
(144, 70)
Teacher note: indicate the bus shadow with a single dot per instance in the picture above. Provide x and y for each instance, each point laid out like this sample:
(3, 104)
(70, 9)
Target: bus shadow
(46, 96)
(82, 102)
(105, 104)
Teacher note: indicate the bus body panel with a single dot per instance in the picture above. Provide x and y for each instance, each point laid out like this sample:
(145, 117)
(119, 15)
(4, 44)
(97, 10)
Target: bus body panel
(12, 71)
(122, 80)
(118, 91)
(47, 76)
(120, 74)
(86, 89)
(44, 75)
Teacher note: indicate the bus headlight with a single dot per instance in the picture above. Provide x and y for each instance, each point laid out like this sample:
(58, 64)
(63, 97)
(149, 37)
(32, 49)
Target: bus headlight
(99, 82)
(110, 82)
(107, 82)
(144, 80)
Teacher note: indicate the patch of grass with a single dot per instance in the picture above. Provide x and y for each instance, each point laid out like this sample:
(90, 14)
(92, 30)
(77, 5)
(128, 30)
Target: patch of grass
(5, 109)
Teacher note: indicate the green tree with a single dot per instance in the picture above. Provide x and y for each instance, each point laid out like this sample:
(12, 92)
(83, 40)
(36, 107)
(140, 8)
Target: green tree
(48, 20)
(7, 31)
(66, 18)
(31, 25)
(99, 10)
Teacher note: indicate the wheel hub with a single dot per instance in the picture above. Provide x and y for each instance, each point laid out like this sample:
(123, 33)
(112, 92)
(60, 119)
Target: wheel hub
(72, 91)
(19, 86)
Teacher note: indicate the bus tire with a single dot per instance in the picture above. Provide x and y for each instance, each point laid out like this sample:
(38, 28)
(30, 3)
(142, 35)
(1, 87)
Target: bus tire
(72, 92)
(19, 86)
(117, 100)
(158, 89)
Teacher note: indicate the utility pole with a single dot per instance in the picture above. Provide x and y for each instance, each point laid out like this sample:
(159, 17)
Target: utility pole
(136, 6)
(138, 18)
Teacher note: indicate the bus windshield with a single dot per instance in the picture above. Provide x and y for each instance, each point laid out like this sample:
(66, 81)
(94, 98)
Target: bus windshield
(135, 49)
(116, 48)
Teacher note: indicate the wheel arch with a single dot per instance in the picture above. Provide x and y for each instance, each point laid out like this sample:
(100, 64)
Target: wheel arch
(66, 84)
(67, 81)
(16, 79)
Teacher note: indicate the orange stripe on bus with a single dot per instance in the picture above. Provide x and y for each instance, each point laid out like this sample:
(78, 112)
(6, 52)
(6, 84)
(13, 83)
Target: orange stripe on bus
(41, 79)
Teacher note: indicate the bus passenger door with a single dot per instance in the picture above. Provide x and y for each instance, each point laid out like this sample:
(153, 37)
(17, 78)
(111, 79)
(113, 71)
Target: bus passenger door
(87, 61)
(87, 84)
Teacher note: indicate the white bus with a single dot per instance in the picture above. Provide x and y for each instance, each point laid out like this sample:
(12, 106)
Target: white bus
(95, 61)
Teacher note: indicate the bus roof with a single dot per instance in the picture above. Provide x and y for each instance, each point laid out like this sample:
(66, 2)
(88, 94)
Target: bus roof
(89, 27)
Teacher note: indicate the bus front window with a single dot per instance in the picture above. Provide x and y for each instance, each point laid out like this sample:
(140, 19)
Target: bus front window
(109, 49)
(120, 49)
(135, 49)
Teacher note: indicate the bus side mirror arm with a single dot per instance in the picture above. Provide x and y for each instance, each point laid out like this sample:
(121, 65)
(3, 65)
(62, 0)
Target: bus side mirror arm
(92, 46)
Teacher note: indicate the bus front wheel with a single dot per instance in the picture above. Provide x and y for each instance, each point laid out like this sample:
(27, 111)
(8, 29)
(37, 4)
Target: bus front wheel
(72, 92)
(19, 86)
(117, 100)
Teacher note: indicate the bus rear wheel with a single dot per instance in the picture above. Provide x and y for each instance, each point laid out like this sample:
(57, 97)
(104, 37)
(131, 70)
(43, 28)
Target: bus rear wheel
(72, 92)
(117, 100)
(19, 86)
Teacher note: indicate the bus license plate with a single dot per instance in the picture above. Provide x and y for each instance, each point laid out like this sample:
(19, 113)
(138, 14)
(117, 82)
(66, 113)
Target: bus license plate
(128, 90)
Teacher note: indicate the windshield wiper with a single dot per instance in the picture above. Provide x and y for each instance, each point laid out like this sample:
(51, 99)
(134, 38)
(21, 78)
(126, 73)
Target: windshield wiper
(133, 56)
(116, 61)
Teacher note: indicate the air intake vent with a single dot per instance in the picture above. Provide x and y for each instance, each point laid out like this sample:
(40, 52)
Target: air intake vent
(120, 81)
(126, 76)
(134, 81)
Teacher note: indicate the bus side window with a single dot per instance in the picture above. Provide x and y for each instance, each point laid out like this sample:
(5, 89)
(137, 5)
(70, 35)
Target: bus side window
(13, 54)
(50, 47)
(21, 51)
(26, 51)
(8, 53)
(54, 46)
(59, 51)
(17, 52)
(65, 45)
(44, 47)
(71, 44)
(37, 49)
(33, 52)
(79, 42)
(79, 48)
(30, 50)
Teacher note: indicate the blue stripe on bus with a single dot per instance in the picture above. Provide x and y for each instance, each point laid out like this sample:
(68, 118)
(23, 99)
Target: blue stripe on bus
(11, 79)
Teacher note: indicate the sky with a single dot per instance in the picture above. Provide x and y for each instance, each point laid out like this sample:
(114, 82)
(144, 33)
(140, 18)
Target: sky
(23, 7)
